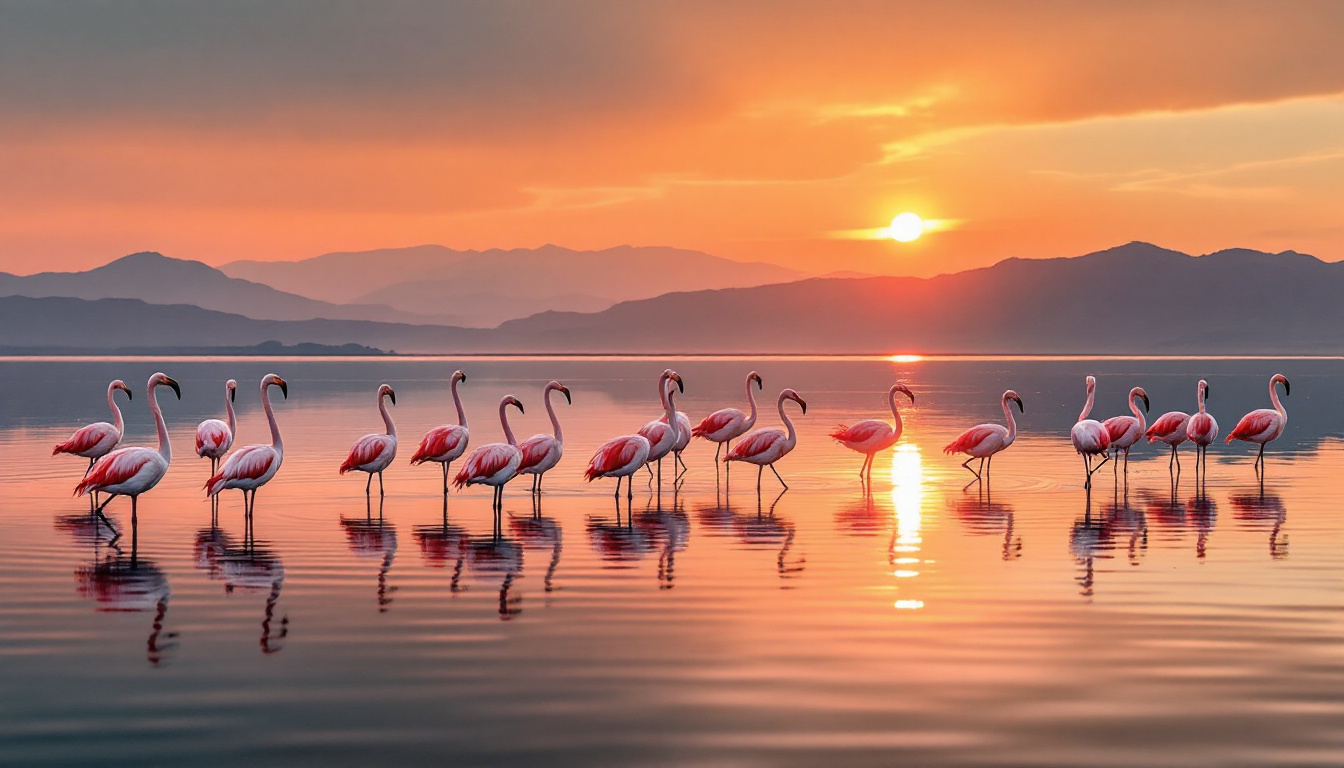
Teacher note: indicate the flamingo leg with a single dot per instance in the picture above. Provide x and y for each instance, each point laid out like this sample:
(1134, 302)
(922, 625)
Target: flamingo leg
(985, 465)
(618, 487)
(1087, 471)
(368, 484)
(380, 485)
(445, 478)
(759, 470)
(781, 480)
(99, 510)
(967, 466)
(1260, 459)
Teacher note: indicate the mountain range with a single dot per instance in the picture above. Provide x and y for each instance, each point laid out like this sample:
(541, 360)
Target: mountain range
(1133, 299)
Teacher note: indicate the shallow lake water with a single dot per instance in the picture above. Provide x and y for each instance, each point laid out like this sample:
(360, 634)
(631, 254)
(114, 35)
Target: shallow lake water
(1028, 623)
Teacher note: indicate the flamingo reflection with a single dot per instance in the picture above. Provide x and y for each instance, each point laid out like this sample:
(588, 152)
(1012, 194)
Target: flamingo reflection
(119, 583)
(983, 516)
(497, 554)
(374, 538)
(541, 533)
(1202, 512)
(759, 530)
(442, 544)
(1259, 510)
(251, 567)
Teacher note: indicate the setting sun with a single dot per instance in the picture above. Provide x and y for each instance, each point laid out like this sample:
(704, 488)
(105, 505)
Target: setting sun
(906, 228)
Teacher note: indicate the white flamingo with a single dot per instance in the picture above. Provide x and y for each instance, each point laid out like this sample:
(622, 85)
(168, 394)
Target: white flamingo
(1089, 437)
(662, 433)
(214, 438)
(1202, 431)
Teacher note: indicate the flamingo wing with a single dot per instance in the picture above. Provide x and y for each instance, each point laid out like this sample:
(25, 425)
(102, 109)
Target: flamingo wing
(1118, 426)
(211, 436)
(969, 439)
(365, 450)
(613, 455)
(248, 463)
(754, 444)
(437, 442)
(1167, 424)
(716, 421)
(1253, 424)
(535, 449)
(86, 438)
(115, 468)
(654, 431)
(485, 462)
(861, 432)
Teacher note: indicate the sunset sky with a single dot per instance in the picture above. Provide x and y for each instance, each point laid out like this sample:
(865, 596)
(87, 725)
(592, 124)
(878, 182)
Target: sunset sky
(775, 131)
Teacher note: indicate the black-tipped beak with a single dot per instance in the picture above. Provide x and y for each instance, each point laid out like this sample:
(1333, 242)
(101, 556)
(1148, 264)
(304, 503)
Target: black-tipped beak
(568, 399)
(129, 394)
(176, 387)
(392, 396)
(1206, 391)
(1146, 406)
(759, 383)
(803, 403)
(519, 403)
(1020, 408)
(233, 395)
(284, 388)
(681, 386)
(1287, 390)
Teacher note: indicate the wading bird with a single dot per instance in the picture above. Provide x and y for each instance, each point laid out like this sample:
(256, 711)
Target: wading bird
(723, 426)
(683, 437)
(874, 435)
(214, 438)
(1125, 431)
(1202, 431)
(766, 446)
(252, 466)
(542, 452)
(96, 440)
(494, 464)
(134, 470)
(1089, 437)
(984, 440)
(1265, 424)
(662, 433)
(374, 453)
(619, 457)
(1170, 428)
(446, 443)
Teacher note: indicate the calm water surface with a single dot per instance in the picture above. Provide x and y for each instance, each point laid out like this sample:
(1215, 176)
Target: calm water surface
(924, 624)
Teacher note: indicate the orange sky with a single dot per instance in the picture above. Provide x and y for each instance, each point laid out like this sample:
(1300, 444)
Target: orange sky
(756, 131)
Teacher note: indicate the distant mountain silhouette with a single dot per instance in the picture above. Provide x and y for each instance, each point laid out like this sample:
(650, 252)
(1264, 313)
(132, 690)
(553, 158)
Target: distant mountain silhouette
(1134, 299)
(158, 279)
(485, 288)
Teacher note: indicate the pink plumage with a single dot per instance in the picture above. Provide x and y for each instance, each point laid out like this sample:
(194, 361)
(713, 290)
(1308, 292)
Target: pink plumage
(365, 451)
(486, 462)
(967, 441)
(439, 442)
(115, 468)
(615, 455)
(89, 439)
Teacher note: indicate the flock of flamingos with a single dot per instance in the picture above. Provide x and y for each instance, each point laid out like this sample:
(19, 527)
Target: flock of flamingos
(133, 471)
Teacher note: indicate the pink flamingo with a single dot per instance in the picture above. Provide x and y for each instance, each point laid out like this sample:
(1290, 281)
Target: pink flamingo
(1265, 424)
(374, 453)
(1089, 437)
(1170, 428)
(96, 440)
(252, 466)
(214, 438)
(873, 435)
(619, 457)
(494, 464)
(1125, 431)
(984, 440)
(134, 470)
(766, 446)
(726, 425)
(542, 452)
(1202, 430)
(683, 436)
(446, 443)
(662, 433)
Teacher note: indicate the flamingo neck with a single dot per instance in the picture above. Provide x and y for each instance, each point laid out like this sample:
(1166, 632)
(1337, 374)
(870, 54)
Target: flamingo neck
(751, 398)
(165, 445)
(116, 412)
(504, 420)
(1201, 399)
(672, 414)
(1087, 407)
(1138, 414)
(895, 414)
(792, 439)
(387, 417)
(555, 422)
(228, 408)
(457, 401)
(1008, 416)
(276, 442)
(1274, 398)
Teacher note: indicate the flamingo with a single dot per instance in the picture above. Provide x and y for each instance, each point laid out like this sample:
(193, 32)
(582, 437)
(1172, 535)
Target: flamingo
(662, 433)
(683, 436)
(619, 457)
(494, 464)
(214, 438)
(1125, 431)
(1171, 428)
(766, 446)
(252, 466)
(1265, 424)
(984, 440)
(723, 426)
(542, 452)
(96, 440)
(134, 470)
(872, 436)
(1202, 430)
(374, 453)
(446, 443)
(1089, 437)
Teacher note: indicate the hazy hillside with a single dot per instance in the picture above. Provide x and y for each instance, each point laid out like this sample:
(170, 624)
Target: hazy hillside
(1128, 300)
(485, 288)
(158, 279)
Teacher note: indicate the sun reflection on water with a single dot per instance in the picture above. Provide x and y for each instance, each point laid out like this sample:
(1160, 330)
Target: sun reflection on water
(907, 498)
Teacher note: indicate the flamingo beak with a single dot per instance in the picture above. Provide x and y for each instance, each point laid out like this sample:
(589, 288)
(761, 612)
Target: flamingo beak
(176, 387)
(681, 385)
(1146, 406)
(803, 403)
(759, 383)
(392, 396)
(284, 387)
(129, 395)
(519, 403)
(1286, 389)
(568, 399)
(233, 395)
(1206, 391)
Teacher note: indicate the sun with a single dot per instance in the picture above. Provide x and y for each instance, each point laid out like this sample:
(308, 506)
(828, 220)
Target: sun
(906, 228)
